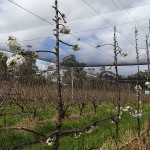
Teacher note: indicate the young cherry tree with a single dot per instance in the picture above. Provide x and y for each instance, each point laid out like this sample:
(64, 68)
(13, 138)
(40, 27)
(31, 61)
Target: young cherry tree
(138, 88)
(63, 30)
(117, 50)
(18, 59)
(148, 83)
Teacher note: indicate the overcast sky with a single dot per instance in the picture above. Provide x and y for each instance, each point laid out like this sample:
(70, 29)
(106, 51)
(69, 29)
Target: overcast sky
(85, 24)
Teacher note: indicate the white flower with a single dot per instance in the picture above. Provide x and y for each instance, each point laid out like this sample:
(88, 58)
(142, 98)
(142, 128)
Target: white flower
(13, 44)
(76, 47)
(136, 114)
(15, 61)
(65, 30)
(128, 108)
(49, 141)
(147, 92)
(35, 54)
(77, 135)
(147, 84)
(138, 87)
(139, 115)
(89, 131)
(124, 54)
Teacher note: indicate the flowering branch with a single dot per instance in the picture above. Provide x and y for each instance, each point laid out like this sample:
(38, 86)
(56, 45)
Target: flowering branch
(119, 50)
(74, 47)
(71, 132)
(138, 87)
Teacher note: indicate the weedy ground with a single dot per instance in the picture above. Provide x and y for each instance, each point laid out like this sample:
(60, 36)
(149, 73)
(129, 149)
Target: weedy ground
(45, 121)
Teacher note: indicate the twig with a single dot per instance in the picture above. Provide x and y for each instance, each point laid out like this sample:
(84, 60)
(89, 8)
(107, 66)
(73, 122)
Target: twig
(21, 128)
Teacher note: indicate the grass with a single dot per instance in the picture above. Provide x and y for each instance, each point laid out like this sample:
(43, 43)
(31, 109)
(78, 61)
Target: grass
(45, 122)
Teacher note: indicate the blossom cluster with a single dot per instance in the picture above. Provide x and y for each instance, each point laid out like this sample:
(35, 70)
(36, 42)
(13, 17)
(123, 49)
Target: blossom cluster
(49, 141)
(65, 30)
(13, 44)
(87, 132)
(148, 86)
(124, 54)
(78, 135)
(127, 109)
(76, 47)
(135, 113)
(35, 54)
(15, 61)
(138, 89)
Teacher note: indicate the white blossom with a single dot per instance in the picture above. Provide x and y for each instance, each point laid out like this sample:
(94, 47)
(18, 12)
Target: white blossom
(136, 114)
(15, 61)
(147, 84)
(89, 131)
(138, 89)
(49, 141)
(76, 47)
(77, 135)
(124, 54)
(128, 108)
(147, 92)
(13, 44)
(65, 30)
(35, 54)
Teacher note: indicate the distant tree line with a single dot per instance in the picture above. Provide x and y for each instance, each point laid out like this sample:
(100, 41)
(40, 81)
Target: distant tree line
(28, 73)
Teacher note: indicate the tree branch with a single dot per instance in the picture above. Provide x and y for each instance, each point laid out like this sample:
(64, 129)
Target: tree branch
(21, 128)
(70, 132)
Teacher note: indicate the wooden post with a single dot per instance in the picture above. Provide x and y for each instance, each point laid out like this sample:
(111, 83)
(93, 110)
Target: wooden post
(72, 85)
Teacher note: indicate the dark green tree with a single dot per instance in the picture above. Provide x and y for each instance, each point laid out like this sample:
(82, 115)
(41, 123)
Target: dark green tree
(27, 73)
(79, 74)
